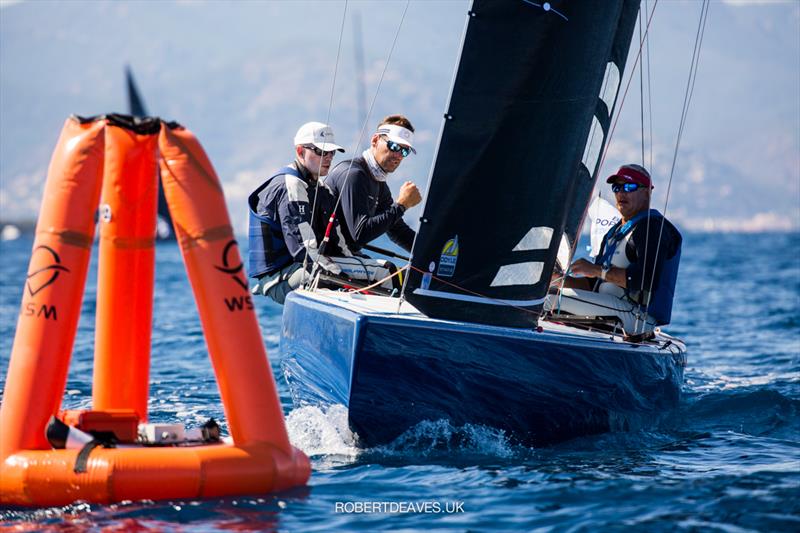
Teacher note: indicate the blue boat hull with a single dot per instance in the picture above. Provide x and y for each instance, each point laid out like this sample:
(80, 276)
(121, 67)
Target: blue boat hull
(540, 387)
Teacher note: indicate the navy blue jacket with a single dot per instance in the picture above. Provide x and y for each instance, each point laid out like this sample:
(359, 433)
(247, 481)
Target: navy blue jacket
(367, 209)
(280, 221)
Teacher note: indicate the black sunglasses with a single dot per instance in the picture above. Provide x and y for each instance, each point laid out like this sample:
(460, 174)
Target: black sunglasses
(626, 187)
(321, 153)
(395, 147)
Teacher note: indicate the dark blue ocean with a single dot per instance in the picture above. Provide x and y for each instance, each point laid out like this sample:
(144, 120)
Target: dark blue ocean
(728, 459)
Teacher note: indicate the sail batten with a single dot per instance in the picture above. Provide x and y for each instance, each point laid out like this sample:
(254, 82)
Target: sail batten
(528, 87)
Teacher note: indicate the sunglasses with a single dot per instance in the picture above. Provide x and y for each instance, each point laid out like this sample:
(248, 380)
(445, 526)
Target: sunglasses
(321, 153)
(395, 147)
(626, 187)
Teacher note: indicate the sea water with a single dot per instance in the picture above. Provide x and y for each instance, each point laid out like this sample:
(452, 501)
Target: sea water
(728, 459)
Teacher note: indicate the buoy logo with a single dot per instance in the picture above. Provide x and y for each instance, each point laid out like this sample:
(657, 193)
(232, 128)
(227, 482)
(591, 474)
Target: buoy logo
(44, 277)
(236, 270)
(231, 255)
(448, 258)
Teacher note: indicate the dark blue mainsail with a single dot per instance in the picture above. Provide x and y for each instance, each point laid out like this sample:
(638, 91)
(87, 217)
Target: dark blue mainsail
(135, 102)
(529, 111)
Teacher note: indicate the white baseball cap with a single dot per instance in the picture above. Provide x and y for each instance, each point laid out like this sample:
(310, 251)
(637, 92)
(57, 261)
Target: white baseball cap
(318, 134)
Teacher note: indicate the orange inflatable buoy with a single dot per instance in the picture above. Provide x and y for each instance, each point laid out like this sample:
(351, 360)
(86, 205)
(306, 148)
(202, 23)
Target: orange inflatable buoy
(117, 155)
(128, 207)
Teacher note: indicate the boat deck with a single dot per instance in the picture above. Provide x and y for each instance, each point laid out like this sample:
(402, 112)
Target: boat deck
(377, 307)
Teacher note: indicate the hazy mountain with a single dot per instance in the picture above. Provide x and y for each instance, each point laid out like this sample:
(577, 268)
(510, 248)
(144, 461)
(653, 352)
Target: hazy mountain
(244, 75)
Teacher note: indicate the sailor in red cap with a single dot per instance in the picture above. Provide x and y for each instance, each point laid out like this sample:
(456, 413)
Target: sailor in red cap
(633, 277)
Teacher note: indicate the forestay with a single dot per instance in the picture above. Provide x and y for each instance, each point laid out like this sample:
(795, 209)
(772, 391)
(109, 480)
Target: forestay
(529, 111)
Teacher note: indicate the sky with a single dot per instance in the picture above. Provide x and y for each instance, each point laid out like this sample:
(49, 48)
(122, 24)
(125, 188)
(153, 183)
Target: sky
(244, 75)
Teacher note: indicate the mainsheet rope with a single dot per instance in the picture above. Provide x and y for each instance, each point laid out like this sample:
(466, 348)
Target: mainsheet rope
(463, 289)
(473, 293)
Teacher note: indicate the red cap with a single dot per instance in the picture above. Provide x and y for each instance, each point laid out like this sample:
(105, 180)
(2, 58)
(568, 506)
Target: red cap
(631, 174)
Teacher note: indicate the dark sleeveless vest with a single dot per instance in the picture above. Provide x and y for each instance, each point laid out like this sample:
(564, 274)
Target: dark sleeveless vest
(268, 252)
(659, 306)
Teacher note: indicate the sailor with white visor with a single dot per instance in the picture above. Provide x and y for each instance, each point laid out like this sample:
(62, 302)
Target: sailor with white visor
(367, 207)
(398, 135)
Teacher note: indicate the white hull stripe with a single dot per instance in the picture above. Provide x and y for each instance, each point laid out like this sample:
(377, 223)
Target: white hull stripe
(477, 299)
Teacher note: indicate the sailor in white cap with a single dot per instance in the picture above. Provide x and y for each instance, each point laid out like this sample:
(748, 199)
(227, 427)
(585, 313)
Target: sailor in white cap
(282, 235)
(366, 201)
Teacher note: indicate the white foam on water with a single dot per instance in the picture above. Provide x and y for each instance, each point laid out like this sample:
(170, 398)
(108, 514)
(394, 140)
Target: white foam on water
(440, 436)
(322, 431)
(720, 381)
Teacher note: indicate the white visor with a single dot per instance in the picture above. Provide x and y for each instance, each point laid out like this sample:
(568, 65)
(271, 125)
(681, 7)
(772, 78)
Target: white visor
(398, 134)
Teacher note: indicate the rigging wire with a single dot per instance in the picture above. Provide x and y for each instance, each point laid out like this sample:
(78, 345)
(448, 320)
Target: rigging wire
(687, 99)
(641, 106)
(641, 87)
(649, 92)
(363, 129)
(327, 120)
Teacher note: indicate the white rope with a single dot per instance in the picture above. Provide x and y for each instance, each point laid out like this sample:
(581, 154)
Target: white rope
(397, 272)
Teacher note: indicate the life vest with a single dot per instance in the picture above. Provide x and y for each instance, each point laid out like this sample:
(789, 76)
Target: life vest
(659, 303)
(267, 248)
(660, 307)
(617, 234)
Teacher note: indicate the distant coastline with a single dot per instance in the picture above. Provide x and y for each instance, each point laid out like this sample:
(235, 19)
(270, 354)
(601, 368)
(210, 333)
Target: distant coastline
(758, 224)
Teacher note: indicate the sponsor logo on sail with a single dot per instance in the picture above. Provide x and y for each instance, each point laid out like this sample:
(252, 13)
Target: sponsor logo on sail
(448, 259)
